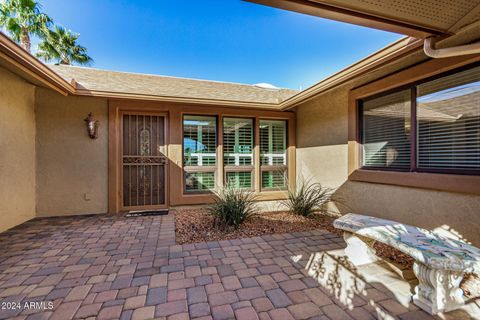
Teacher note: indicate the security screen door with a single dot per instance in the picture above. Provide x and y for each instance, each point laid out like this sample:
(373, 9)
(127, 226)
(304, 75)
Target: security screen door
(143, 161)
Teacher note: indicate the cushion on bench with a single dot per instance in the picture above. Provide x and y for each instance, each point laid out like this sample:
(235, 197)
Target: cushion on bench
(433, 250)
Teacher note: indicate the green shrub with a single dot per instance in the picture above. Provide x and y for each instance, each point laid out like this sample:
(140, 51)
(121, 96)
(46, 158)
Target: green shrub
(232, 207)
(308, 198)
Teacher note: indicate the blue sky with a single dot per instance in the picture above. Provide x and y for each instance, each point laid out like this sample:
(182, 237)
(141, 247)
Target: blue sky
(225, 40)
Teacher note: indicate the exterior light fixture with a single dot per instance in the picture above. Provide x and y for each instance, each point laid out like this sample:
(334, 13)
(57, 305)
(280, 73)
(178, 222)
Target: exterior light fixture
(92, 126)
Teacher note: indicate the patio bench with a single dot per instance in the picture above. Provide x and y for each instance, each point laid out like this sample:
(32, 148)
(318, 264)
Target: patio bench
(440, 262)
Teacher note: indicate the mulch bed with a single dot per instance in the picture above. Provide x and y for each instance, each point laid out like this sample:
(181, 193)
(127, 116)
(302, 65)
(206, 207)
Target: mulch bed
(195, 225)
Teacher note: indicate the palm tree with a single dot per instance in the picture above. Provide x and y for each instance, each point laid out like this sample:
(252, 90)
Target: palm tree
(60, 45)
(22, 18)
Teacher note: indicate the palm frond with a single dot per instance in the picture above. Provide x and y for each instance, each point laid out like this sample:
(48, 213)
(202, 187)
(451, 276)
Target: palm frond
(60, 44)
(22, 18)
(13, 28)
(47, 52)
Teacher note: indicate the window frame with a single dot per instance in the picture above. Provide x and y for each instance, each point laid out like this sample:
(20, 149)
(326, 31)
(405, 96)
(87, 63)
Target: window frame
(193, 169)
(414, 125)
(220, 169)
(267, 168)
(250, 168)
(412, 130)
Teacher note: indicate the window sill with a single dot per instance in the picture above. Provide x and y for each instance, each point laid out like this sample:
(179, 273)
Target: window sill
(433, 181)
(263, 195)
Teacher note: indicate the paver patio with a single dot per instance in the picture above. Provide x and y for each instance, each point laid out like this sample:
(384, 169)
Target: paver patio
(112, 266)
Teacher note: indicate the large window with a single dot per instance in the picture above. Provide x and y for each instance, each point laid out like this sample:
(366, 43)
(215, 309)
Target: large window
(386, 131)
(199, 152)
(200, 145)
(436, 123)
(238, 152)
(273, 154)
(449, 122)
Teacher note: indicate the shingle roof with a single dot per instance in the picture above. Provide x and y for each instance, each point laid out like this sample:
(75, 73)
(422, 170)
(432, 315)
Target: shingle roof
(97, 80)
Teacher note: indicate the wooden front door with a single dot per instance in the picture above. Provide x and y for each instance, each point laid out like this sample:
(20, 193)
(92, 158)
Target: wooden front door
(143, 161)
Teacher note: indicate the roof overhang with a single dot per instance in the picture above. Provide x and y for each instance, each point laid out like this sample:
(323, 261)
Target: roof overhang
(15, 59)
(19, 61)
(395, 50)
(325, 9)
(183, 100)
(417, 19)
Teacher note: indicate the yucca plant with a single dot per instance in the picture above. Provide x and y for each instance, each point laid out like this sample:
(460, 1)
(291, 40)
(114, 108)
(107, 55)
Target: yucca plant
(232, 207)
(308, 198)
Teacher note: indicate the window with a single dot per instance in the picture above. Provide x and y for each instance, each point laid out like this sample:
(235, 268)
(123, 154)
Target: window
(386, 131)
(200, 161)
(238, 152)
(448, 113)
(199, 152)
(273, 154)
(199, 181)
(436, 123)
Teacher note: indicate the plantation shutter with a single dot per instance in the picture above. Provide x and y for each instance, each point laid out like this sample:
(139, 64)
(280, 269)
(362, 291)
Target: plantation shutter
(386, 131)
(199, 152)
(273, 142)
(449, 122)
(238, 142)
(200, 140)
(238, 152)
(273, 153)
(239, 179)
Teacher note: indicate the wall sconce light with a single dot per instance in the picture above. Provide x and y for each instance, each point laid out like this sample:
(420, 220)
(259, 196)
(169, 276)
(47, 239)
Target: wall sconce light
(92, 126)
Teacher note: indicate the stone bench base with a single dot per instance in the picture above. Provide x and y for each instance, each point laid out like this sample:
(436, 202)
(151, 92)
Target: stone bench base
(359, 249)
(437, 291)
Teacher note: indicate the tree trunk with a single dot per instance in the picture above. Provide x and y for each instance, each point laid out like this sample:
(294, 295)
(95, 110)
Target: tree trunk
(25, 40)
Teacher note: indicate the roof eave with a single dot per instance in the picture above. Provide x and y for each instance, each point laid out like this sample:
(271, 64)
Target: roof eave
(383, 56)
(17, 59)
(29, 66)
(326, 10)
(158, 98)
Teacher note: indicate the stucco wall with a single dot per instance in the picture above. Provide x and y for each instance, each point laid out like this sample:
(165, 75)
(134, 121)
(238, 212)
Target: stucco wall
(72, 169)
(322, 128)
(17, 145)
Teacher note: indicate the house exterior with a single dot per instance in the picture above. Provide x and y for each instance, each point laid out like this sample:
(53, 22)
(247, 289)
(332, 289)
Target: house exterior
(397, 134)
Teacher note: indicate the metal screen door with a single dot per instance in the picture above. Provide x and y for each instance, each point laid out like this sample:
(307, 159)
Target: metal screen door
(144, 161)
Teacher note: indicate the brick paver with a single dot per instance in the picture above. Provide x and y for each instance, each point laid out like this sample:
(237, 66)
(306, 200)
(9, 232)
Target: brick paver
(223, 312)
(114, 267)
(279, 298)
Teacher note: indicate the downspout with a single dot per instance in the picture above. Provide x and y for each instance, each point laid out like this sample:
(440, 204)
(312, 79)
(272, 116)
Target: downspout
(429, 43)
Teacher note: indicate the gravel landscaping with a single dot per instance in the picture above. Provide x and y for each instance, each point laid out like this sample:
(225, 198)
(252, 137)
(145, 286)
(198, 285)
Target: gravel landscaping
(195, 225)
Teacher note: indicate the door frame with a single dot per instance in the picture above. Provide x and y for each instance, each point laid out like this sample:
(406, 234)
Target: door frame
(115, 158)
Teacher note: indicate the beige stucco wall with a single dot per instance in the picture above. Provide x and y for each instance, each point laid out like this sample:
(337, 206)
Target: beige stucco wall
(322, 156)
(17, 145)
(72, 169)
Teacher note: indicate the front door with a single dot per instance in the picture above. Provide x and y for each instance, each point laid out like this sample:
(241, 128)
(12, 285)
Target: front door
(143, 161)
